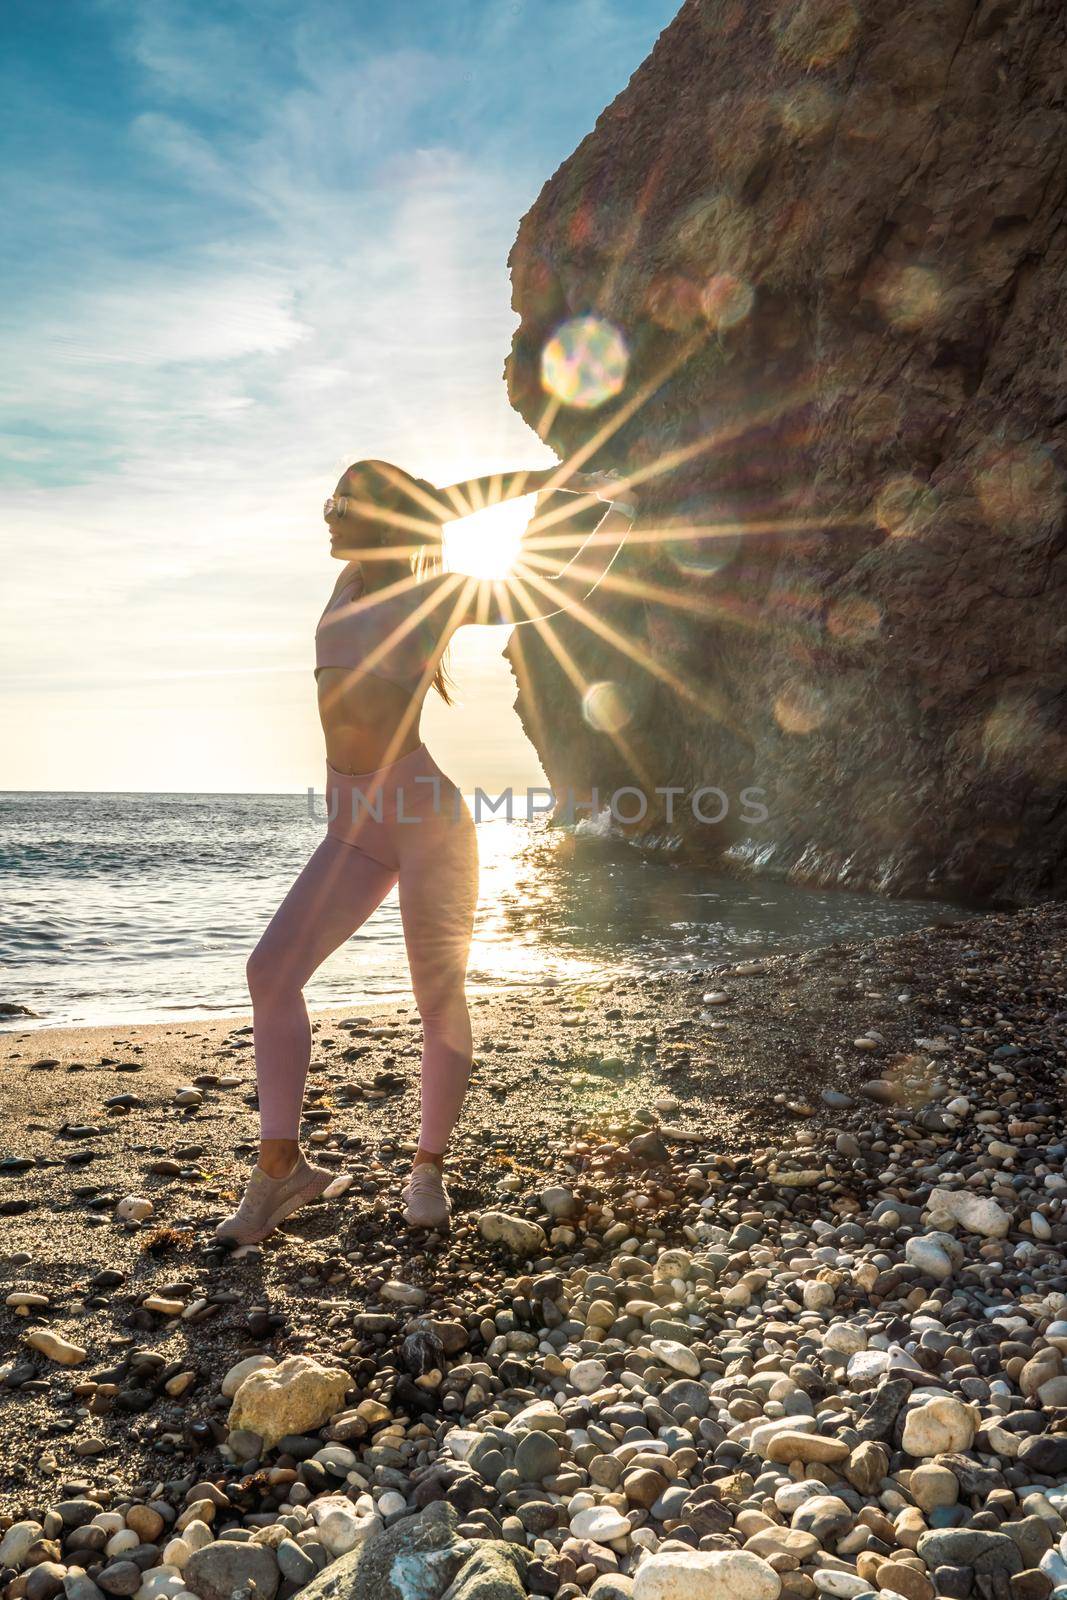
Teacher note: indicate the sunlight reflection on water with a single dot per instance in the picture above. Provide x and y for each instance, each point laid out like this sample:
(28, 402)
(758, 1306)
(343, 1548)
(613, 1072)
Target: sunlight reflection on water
(146, 907)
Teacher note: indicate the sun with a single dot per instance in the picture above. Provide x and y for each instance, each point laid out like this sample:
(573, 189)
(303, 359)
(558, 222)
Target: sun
(486, 544)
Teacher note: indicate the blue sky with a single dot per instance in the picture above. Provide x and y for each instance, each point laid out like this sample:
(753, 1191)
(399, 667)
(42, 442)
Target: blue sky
(244, 244)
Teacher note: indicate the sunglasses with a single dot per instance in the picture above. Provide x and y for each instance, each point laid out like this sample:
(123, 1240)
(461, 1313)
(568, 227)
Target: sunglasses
(335, 506)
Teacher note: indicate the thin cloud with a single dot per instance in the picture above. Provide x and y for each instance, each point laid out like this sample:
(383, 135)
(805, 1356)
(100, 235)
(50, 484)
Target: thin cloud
(285, 249)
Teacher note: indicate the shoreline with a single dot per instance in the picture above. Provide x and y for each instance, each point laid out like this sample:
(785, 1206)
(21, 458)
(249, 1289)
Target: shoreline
(31, 1027)
(663, 1118)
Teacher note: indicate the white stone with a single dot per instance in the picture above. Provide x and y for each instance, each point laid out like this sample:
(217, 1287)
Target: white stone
(521, 1237)
(157, 1582)
(238, 1373)
(866, 1367)
(163, 1306)
(671, 1264)
(340, 1185)
(587, 1376)
(817, 1295)
(843, 1585)
(17, 1541)
(600, 1523)
(999, 1441)
(460, 1442)
(110, 1521)
(176, 1553)
(391, 1503)
(539, 1415)
(134, 1208)
(336, 1456)
(1054, 1566)
(976, 1213)
(677, 1356)
(791, 1496)
(936, 1254)
(403, 1294)
(340, 1526)
(706, 1575)
(844, 1338)
(125, 1539)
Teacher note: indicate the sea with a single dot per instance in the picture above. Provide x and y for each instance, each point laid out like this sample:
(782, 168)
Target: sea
(145, 907)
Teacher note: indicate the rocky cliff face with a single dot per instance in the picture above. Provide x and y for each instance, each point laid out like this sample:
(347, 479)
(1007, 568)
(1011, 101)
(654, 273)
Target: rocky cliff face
(821, 252)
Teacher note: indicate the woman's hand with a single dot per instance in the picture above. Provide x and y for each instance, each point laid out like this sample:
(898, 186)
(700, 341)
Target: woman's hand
(606, 486)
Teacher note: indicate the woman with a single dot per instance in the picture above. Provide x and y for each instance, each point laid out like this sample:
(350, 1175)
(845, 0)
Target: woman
(393, 815)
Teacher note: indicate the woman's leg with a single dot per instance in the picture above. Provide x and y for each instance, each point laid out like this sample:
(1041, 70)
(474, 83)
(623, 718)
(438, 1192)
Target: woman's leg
(335, 893)
(438, 893)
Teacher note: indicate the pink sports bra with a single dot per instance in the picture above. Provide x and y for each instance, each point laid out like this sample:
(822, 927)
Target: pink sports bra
(376, 633)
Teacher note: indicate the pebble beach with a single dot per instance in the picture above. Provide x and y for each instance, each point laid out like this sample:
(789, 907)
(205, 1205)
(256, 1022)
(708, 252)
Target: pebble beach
(756, 1287)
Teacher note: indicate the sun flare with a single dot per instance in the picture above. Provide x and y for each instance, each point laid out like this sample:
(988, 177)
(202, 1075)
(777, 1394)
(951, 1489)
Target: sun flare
(486, 544)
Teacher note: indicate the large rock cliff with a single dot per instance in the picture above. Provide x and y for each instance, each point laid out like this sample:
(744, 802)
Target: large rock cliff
(820, 251)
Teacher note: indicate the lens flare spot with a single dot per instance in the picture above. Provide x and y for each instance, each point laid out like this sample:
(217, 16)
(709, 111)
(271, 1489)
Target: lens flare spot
(908, 297)
(801, 708)
(700, 541)
(1011, 734)
(815, 33)
(726, 300)
(703, 553)
(878, 418)
(853, 620)
(1021, 490)
(674, 301)
(605, 707)
(585, 363)
(806, 113)
(1017, 735)
(905, 506)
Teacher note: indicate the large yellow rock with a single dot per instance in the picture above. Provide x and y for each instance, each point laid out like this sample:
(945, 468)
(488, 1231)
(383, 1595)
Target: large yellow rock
(940, 1425)
(297, 1395)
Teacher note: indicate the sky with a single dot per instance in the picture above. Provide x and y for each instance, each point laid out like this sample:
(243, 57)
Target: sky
(245, 243)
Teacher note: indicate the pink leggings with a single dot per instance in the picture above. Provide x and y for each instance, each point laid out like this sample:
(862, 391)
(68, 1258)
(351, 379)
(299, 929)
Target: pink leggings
(405, 823)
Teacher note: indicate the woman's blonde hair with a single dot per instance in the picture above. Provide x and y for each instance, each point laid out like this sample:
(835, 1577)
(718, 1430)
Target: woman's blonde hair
(396, 490)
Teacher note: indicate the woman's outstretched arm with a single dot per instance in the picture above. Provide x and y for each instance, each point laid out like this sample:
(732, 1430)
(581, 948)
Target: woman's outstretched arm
(475, 494)
(492, 488)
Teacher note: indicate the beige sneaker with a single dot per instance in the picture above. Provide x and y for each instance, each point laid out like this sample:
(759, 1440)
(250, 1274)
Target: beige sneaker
(426, 1202)
(268, 1201)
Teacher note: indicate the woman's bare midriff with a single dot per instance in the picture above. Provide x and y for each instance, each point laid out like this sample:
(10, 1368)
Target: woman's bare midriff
(367, 721)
